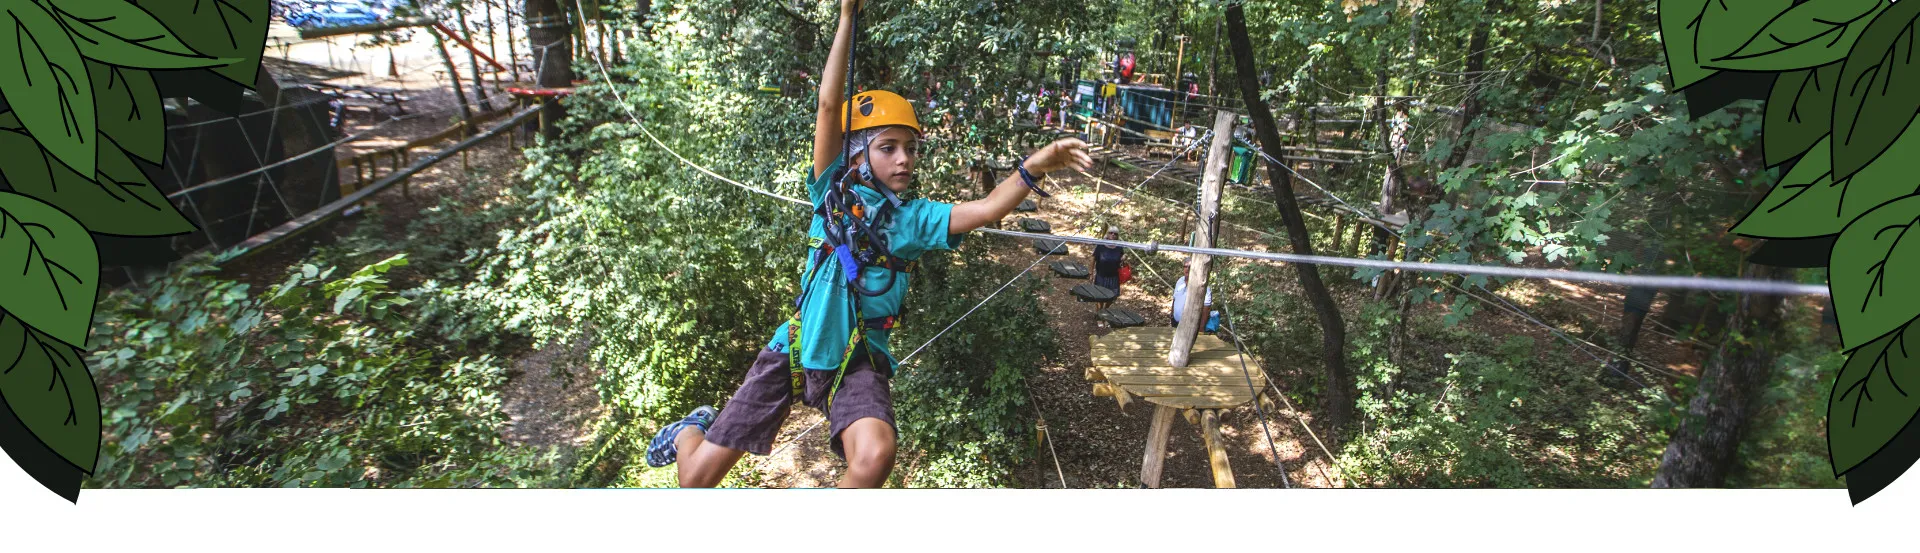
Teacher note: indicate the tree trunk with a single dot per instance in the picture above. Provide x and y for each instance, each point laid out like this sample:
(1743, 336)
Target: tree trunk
(513, 49)
(1470, 110)
(473, 58)
(1702, 451)
(1619, 367)
(553, 57)
(453, 73)
(1333, 344)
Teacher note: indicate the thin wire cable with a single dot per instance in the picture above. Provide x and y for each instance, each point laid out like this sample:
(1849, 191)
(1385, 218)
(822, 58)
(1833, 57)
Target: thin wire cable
(916, 351)
(1748, 286)
(1509, 307)
(1241, 349)
(1047, 433)
(1271, 383)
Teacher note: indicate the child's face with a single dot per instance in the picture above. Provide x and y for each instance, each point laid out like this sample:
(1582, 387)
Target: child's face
(893, 155)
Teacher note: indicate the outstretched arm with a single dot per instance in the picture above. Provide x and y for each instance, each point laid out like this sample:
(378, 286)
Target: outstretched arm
(1061, 154)
(833, 86)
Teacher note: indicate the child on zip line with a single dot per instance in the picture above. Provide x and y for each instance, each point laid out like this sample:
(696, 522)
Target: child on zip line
(834, 355)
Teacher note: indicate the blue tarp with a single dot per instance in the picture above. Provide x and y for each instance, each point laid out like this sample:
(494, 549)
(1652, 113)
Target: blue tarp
(317, 14)
(1146, 108)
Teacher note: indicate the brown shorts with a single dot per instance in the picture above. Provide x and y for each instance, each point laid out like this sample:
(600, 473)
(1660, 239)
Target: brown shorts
(751, 419)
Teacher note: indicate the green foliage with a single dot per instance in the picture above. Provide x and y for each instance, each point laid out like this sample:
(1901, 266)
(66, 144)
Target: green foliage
(1880, 92)
(81, 104)
(1869, 262)
(1785, 444)
(235, 30)
(962, 401)
(1797, 111)
(48, 388)
(1500, 419)
(58, 272)
(1862, 155)
(46, 81)
(318, 381)
(1809, 202)
(1778, 35)
(1869, 405)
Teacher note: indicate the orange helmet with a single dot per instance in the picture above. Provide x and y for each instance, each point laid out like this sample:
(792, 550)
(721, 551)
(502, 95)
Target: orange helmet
(879, 108)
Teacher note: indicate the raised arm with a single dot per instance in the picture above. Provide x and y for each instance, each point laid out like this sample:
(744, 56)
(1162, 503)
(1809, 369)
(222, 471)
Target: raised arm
(1064, 153)
(833, 88)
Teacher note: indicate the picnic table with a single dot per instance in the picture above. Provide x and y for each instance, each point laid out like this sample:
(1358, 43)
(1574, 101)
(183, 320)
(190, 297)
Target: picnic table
(1132, 363)
(365, 98)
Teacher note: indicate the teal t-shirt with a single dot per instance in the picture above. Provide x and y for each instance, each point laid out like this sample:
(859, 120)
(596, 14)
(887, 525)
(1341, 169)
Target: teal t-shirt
(826, 313)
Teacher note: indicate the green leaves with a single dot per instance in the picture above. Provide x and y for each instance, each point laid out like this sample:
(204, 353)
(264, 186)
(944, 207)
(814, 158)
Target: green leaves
(119, 200)
(1799, 112)
(127, 105)
(49, 268)
(1808, 202)
(47, 385)
(1874, 263)
(1811, 34)
(1879, 90)
(1876, 395)
(45, 80)
(235, 29)
(120, 33)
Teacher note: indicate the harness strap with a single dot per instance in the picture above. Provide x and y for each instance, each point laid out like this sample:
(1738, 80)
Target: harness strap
(889, 262)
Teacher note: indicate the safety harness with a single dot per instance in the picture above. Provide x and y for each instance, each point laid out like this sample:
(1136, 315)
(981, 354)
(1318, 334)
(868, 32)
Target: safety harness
(854, 243)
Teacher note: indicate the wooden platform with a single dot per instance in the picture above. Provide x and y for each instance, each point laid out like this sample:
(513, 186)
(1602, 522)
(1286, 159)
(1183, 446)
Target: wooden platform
(1132, 363)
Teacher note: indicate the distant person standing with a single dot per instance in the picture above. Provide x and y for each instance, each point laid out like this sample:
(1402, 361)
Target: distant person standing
(1107, 264)
(1180, 303)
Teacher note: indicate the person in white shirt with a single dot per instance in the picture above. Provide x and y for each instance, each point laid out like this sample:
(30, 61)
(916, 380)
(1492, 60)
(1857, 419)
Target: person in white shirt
(1179, 303)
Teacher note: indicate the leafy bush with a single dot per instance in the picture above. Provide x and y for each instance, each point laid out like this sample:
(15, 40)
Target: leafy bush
(1509, 419)
(317, 382)
(961, 403)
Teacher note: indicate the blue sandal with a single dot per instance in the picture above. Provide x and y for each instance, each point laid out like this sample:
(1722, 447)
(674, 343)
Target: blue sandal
(661, 451)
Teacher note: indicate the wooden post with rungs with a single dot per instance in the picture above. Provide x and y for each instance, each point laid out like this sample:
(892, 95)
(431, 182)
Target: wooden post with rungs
(1193, 314)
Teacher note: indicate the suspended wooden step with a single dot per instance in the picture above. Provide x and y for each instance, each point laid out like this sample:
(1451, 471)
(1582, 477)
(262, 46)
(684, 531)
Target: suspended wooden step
(1036, 225)
(1026, 205)
(1094, 293)
(1050, 247)
(1121, 317)
(1069, 269)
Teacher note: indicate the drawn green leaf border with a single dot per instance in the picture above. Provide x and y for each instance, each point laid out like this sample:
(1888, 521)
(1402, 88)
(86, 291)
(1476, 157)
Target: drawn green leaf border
(88, 102)
(1838, 135)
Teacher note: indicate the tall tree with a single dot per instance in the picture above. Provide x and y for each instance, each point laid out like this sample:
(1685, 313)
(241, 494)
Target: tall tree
(1702, 451)
(1338, 403)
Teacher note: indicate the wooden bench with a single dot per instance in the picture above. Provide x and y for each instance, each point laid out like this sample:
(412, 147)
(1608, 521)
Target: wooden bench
(1133, 363)
(1159, 140)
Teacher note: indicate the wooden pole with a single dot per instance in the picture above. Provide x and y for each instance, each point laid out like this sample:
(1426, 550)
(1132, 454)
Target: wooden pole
(1156, 456)
(1193, 315)
(1216, 449)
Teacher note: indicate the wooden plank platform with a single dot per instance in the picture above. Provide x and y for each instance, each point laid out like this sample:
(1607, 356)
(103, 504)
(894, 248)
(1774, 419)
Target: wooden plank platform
(1132, 363)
